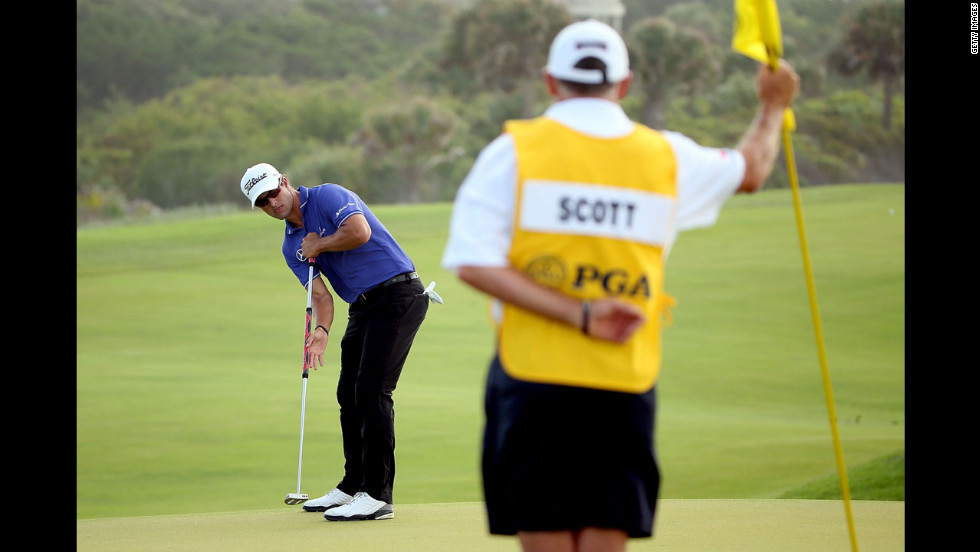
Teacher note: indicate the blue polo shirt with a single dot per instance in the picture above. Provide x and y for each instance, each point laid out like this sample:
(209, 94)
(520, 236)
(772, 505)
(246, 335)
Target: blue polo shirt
(350, 273)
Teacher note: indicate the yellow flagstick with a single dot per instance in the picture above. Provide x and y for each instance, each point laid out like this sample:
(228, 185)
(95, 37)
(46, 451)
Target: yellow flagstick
(814, 309)
(758, 36)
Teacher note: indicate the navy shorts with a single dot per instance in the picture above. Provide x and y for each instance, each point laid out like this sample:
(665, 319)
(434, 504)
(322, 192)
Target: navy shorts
(558, 458)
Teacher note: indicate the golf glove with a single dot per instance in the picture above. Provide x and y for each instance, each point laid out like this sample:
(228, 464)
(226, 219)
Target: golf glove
(430, 291)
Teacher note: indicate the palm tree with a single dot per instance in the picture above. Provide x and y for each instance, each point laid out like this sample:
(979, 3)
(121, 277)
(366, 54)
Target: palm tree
(504, 44)
(668, 58)
(874, 39)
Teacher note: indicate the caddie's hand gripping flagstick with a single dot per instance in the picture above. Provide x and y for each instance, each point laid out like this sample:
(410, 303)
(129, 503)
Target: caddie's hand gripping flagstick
(758, 35)
(298, 497)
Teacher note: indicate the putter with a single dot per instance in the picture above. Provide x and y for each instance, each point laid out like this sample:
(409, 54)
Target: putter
(300, 497)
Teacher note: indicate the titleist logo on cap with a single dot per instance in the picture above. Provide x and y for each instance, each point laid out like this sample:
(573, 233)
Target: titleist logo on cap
(252, 182)
(590, 44)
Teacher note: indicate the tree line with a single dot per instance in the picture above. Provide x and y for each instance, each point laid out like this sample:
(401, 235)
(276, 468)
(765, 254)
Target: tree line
(394, 98)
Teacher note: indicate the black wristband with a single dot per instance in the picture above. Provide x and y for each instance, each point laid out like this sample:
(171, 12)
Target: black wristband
(586, 307)
(324, 328)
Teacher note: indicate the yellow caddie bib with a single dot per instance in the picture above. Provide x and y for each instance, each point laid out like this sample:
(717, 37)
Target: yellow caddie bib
(592, 217)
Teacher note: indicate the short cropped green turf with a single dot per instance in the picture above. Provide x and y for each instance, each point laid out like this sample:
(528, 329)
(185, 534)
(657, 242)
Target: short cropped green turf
(682, 525)
(190, 335)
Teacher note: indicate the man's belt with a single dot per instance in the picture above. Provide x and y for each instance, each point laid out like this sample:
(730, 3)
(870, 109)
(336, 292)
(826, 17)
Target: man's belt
(403, 277)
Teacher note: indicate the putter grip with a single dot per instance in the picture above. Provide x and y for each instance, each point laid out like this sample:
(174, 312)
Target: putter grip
(306, 347)
(309, 321)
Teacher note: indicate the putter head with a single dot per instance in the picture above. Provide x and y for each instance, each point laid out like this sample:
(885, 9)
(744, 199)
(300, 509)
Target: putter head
(297, 498)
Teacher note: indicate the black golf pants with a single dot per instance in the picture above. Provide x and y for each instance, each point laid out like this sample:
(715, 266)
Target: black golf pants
(380, 333)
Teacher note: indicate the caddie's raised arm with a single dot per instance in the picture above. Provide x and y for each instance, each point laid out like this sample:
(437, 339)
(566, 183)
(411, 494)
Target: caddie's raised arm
(760, 144)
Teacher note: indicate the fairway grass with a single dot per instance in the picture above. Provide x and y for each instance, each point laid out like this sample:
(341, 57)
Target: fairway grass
(189, 355)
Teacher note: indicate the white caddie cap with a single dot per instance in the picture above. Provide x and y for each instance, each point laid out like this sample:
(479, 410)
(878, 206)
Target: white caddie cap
(589, 38)
(259, 179)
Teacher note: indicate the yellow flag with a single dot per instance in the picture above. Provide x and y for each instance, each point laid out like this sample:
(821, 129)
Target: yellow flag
(759, 36)
(757, 32)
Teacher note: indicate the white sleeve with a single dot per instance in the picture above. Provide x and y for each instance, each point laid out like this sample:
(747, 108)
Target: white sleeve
(482, 220)
(706, 179)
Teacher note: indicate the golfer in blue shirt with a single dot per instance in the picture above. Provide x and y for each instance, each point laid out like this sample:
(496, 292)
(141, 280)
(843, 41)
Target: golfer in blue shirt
(387, 303)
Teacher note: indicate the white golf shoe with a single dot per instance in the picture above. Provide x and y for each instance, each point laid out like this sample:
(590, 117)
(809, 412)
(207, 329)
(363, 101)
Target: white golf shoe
(362, 507)
(332, 499)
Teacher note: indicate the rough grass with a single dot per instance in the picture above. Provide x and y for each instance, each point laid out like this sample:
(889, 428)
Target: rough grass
(881, 479)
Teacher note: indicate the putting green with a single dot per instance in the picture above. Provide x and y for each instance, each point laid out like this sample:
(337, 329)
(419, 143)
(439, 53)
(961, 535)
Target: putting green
(681, 526)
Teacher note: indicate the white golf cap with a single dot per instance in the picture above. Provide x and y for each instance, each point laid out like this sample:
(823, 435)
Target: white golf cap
(259, 179)
(589, 38)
